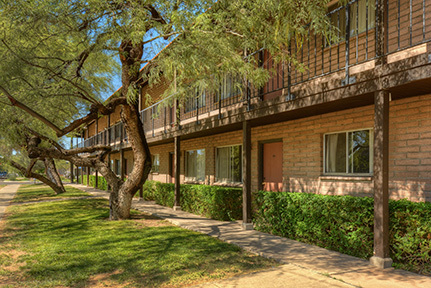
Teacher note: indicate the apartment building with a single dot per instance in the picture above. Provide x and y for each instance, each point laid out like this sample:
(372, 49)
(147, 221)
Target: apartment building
(355, 121)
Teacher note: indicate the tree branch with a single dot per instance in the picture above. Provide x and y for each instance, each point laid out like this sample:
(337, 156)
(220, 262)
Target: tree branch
(30, 111)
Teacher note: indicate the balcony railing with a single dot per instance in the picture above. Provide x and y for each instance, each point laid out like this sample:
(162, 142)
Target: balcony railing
(408, 23)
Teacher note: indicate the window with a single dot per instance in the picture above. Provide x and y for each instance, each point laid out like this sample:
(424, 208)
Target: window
(117, 167)
(361, 16)
(228, 88)
(229, 164)
(191, 103)
(348, 152)
(156, 164)
(195, 165)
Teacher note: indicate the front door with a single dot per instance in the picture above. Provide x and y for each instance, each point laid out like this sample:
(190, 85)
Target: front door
(273, 166)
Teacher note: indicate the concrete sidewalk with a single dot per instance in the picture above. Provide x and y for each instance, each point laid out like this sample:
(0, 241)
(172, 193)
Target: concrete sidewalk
(300, 257)
(6, 195)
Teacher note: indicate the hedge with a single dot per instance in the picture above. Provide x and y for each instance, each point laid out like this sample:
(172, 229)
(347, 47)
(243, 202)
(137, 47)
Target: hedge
(220, 203)
(345, 224)
(101, 184)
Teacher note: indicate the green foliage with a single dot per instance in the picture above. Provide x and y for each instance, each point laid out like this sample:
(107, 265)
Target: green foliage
(84, 180)
(101, 182)
(410, 235)
(345, 224)
(70, 244)
(220, 203)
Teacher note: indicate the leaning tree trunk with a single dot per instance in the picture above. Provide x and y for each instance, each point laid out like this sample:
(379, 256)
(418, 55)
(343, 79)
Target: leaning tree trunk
(52, 173)
(29, 174)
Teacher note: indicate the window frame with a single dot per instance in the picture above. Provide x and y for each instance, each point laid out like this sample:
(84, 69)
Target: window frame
(193, 178)
(347, 173)
(354, 30)
(217, 180)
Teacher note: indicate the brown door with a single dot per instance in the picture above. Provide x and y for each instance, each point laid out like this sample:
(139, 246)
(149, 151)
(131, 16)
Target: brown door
(273, 166)
(171, 168)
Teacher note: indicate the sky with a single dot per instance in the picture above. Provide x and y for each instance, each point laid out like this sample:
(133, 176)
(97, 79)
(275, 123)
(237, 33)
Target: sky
(151, 51)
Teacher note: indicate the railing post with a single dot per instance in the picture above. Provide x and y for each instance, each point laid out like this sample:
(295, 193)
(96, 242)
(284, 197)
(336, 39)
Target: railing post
(289, 75)
(380, 32)
(247, 223)
(346, 81)
(164, 124)
(177, 114)
(177, 151)
(197, 108)
(152, 119)
(219, 101)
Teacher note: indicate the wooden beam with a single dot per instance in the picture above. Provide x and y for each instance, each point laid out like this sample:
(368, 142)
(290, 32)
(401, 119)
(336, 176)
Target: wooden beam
(247, 223)
(122, 163)
(381, 180)
(71, 164)
(88, 176)
(177, 167)
(96, 181)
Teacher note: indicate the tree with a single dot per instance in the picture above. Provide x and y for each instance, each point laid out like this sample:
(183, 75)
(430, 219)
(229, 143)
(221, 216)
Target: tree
(70, 44)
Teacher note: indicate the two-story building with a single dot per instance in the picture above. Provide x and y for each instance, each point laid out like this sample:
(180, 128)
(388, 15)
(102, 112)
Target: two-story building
(356, 120)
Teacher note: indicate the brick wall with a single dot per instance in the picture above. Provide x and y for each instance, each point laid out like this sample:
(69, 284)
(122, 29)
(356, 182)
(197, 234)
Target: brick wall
(410, 151)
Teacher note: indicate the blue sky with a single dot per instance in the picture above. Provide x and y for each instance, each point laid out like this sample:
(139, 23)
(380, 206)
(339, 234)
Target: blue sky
(149, 53)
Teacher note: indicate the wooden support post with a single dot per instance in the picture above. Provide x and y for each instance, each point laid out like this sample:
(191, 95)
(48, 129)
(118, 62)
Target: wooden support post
(82, 176)
(71, 172)
(381, 180)
(247, 223)
(122, 164)
(141, 193)
(177, 148)
(110, 167)
(88, 176)
(96, 181)
(71, 164)
(77, 174)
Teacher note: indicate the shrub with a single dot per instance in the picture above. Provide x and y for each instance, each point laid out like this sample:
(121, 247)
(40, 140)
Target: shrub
(101, 182)
(220, 203)
(345, 224)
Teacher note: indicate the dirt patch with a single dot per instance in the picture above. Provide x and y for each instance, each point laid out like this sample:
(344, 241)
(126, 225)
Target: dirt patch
(104, 280)
(146, 220)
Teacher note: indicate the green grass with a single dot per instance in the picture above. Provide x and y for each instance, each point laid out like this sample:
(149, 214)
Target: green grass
(37, 192)
(72, 244)
(1, 186)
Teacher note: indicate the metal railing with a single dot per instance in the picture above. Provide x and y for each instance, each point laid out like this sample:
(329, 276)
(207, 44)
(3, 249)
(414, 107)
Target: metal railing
(408, 23)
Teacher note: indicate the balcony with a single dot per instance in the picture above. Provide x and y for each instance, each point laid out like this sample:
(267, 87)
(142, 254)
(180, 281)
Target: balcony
(407, 32)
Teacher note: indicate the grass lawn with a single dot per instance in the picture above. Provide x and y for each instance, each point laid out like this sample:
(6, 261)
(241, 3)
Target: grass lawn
(36, 192)
(72, 244)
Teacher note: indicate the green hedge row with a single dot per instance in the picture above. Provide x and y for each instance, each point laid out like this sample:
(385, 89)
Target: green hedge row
(345, 224)
(220, 203)
(101, 183)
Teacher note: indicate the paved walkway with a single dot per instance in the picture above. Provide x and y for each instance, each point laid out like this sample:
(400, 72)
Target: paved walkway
(6, 194)
(305, 265)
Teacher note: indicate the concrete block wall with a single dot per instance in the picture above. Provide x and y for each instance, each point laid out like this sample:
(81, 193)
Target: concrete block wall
(409, 156)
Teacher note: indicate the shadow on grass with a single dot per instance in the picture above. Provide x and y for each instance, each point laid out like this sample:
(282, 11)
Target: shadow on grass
(36, 192)
(69, 241)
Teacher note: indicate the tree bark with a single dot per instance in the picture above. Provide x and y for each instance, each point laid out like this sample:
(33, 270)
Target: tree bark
(29, 174)
(52, 172)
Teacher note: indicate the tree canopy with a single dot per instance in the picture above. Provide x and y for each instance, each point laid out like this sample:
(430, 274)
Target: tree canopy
(59, 56)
